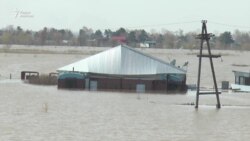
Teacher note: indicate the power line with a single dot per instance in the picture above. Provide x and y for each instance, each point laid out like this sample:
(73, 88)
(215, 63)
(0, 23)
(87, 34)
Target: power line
(228, 25)
(166, 24)
(189, 22)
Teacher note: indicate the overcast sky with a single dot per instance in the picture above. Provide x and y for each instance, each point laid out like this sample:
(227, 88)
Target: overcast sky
(148, 14)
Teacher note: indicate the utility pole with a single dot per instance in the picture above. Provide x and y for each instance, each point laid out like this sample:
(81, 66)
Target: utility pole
(205, 37)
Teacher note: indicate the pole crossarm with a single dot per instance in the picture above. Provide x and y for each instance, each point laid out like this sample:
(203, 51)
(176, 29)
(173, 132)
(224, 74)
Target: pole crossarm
(205, 36)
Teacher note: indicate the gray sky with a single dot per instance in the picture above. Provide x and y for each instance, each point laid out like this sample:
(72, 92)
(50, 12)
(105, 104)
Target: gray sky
(146, 14)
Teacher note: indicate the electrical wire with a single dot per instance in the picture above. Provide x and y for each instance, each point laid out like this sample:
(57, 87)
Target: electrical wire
(165, 24)
(188, 22)
(228, 25)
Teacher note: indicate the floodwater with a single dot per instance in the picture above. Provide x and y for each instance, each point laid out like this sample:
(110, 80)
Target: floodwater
(38, 113)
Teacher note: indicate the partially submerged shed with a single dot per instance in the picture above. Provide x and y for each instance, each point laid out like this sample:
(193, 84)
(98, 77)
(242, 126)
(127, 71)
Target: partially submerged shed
(28, 74)
(242, 81)
(125, 69)
(242, 78)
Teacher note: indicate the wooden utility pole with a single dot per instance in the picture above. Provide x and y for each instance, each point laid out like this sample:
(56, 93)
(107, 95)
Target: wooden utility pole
(205, 37)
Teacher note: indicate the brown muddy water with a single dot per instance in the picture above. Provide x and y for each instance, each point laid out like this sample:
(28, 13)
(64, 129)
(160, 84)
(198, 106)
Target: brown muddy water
(38, 113)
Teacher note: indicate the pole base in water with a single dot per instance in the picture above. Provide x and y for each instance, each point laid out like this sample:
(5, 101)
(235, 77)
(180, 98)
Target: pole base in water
(218, 106)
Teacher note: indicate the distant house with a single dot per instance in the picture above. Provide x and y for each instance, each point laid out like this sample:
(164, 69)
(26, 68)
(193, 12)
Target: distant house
(122, 68)
(119, 39)
(148, 44)
(65, 42)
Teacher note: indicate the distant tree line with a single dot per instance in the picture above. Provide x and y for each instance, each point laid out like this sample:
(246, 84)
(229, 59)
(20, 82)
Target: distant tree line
(89, 37)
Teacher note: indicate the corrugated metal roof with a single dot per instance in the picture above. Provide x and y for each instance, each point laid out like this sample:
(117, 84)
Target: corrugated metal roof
(122, 60)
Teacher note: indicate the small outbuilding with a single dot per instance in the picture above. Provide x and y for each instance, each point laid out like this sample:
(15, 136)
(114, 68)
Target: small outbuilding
(242, 81)
(242, 78)
(122, 68)
(29, 74)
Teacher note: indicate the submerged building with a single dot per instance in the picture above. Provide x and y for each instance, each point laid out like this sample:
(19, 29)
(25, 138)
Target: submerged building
(242, 81)
(123, 69)
(242, 78)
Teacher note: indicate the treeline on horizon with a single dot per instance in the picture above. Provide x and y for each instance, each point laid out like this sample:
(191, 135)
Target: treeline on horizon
(88, 37)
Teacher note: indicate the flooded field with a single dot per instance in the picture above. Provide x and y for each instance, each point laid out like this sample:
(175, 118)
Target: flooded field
(38, 113)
